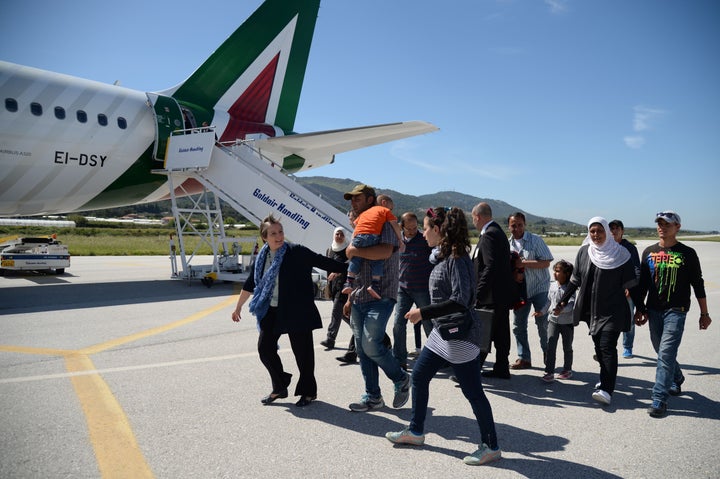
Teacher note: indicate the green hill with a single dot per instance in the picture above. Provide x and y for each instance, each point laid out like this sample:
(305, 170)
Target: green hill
(332, 190)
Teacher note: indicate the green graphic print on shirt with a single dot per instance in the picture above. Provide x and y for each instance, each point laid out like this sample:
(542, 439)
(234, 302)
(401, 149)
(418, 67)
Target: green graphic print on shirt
(664, 267)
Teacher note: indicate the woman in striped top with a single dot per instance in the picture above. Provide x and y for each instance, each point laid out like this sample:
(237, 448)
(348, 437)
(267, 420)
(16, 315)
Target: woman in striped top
(452, 289)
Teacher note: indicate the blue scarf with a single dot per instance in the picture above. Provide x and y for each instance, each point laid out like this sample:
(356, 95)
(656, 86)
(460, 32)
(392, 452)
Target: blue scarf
(264, 284)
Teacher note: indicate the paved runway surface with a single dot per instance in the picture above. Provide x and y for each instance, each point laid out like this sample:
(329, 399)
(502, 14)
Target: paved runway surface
(113, 370)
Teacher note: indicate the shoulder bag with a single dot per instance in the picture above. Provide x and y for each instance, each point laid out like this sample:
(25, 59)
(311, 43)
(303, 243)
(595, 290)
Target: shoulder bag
(455, 325)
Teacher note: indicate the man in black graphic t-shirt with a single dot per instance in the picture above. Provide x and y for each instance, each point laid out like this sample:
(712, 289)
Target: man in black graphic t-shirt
(667, 270)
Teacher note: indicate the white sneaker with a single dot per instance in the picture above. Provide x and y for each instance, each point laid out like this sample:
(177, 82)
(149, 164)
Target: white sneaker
(483, 455)
(406, 436)
(602, 397)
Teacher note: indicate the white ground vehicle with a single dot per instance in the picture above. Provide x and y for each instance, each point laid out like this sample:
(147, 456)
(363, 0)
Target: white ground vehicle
(34, 254)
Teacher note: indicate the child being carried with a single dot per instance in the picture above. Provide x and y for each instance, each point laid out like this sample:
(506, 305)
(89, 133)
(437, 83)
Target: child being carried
(368, 230)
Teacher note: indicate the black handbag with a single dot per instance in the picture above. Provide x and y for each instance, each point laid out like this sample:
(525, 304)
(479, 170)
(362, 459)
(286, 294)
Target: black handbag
(455, 325)
(485, 316)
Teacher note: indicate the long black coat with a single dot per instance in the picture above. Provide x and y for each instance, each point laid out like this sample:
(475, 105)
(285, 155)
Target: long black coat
(495, 285)
(296, 310)
(601, 300)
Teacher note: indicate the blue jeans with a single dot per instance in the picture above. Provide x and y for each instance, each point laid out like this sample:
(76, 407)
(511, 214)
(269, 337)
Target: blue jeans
(629, 337)
(468, 375)
(355, 263)
(520, 325)
(666, 330)
(368, 321)
(405, 299)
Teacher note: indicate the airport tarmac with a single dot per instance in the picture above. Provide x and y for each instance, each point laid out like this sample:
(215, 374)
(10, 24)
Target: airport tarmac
(114, 370)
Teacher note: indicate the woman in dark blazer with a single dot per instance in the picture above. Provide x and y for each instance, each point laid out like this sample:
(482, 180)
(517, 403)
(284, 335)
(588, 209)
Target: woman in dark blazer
(284, 303)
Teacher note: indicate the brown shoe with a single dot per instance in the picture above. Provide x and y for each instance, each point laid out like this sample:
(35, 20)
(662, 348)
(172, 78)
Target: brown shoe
(521, 364)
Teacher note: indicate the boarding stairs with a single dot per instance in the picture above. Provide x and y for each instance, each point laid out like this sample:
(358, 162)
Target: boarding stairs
(250, 183)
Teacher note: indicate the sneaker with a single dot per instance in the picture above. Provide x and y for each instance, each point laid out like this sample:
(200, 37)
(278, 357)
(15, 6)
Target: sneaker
(406, 436)
(565, 374)
(602, 397)
(657, 409)
(402, 392)
(627, 353)
(675, 389)
(548, 378)
(483, 455)
(328, 344)
(367, 403)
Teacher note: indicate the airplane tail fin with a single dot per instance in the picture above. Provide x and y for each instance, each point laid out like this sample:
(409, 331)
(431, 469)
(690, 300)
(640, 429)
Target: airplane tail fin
(252, 82)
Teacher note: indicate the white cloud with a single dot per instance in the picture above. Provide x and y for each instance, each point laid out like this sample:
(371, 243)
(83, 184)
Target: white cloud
(405, 151)
(434, 168)
(634, 142)
(557, 6)
(645, 117)
(493, 172)
(452, 163)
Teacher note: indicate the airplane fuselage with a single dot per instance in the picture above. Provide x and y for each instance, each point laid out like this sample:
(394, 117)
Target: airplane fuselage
(69, 144)
(64, 141)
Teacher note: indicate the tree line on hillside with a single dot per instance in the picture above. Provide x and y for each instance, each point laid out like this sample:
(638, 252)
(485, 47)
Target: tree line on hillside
(332, 190)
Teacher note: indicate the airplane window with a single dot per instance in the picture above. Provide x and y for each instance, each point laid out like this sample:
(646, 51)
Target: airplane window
(36, 109)
(59, 113)
(102, 119)
(122, 123)
(11, 104)
(81, 116)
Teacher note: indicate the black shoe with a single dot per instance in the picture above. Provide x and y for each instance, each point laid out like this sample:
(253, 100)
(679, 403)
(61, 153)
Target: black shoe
(347, 358)
(305, 400)
(657, 409)
(496, 374)
(273, 396)
(328, 343)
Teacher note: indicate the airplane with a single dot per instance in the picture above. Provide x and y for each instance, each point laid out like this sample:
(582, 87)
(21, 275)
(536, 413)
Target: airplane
(69, 144)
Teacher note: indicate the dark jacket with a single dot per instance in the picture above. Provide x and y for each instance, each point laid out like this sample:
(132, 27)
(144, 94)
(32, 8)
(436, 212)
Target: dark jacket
(296, 310)
(336, 285)
(601, 300)
(495, 286)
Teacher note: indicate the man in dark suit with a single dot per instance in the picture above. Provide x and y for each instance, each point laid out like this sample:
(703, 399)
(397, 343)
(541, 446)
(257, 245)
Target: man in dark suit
(495, 287)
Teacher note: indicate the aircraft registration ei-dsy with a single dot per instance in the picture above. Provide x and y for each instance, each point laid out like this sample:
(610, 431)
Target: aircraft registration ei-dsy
(69, 144)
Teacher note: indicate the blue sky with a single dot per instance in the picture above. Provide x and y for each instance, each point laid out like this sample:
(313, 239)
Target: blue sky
(563, 108)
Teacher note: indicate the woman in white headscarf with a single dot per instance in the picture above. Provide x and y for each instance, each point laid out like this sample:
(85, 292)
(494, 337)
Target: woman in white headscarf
(336, 251)
(603, 271)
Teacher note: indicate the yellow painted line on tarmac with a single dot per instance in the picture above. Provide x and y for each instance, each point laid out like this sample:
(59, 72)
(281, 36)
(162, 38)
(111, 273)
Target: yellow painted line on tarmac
(116, 449)
(8, 348)
(160, 329)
